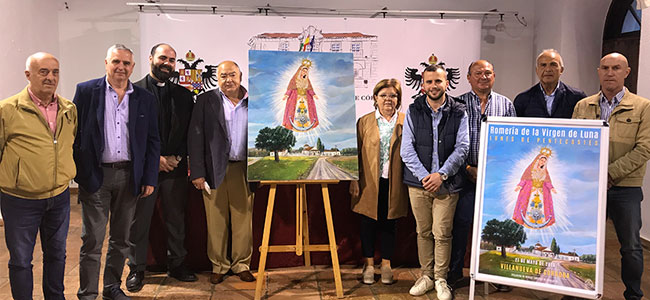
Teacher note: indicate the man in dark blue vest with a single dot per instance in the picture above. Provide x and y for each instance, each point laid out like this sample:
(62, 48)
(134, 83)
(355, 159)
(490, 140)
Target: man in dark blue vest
(435, 143)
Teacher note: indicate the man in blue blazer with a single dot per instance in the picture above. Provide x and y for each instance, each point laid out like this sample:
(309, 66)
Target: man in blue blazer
(117, 152)
(550, 98)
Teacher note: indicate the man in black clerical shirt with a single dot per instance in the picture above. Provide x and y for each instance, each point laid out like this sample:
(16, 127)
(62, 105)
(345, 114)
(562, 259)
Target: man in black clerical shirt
(175, 105)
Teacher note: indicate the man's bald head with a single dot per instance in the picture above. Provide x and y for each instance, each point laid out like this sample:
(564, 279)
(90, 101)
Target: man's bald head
(612, 71)
(42, 72)
(480, 76)
(617, 57)
(229, 77)
(34, 58)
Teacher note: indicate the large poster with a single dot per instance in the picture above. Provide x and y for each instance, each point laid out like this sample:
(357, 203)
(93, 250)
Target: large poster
(540, 204)
(381, 48)
(301, 114)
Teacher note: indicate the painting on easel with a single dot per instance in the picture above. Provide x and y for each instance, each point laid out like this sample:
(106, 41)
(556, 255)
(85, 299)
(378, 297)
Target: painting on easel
(301, 116)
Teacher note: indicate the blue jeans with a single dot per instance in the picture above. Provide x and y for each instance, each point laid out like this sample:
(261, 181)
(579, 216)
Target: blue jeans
(624, 209)
(463, 218)
(23, 219)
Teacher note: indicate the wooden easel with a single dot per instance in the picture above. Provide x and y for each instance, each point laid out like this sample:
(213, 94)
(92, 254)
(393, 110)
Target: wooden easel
(302, 232)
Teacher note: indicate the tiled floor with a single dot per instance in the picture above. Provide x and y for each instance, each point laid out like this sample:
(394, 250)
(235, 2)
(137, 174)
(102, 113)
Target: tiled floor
(295, 283)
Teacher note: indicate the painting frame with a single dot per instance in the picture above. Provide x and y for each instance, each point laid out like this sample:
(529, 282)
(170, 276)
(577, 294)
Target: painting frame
(535, 267)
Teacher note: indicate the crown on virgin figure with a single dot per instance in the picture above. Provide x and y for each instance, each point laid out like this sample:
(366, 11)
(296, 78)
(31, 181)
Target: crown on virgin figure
(546, 151)
(306, 63)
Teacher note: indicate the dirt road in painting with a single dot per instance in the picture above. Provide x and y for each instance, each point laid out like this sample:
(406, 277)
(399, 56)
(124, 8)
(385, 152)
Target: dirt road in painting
(326, 170)
(556, 274)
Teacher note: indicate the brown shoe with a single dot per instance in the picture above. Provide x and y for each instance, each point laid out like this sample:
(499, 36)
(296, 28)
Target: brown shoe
(216, 278)
(246, 276)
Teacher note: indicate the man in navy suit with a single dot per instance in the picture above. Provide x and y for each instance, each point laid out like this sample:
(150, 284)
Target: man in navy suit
(550, 98)
(117, 152)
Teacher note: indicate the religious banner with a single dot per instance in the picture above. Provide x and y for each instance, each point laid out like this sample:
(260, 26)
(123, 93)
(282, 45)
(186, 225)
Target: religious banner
(301, 113)
(540, 204)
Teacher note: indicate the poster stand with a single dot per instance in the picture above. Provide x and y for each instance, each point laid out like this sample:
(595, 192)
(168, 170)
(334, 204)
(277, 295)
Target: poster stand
(302, 231)
(599, 148)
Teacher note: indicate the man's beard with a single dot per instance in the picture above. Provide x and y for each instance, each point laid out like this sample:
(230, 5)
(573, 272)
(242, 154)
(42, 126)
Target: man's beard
(160, 75)
(438, 97)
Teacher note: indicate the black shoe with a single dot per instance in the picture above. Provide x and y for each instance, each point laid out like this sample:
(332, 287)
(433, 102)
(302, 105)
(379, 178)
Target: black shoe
(114, 293)
(182, 273)
(135, 281)
(453, 277)
(503, 288)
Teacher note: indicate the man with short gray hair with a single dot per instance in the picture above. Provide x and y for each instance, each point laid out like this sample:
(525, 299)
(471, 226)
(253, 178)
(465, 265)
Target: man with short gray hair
(37, 129)
(550, 98)
(117, 152)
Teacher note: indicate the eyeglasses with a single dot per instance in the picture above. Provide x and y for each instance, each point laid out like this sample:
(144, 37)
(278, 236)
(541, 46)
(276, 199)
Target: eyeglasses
(480, 74)
(386, 96)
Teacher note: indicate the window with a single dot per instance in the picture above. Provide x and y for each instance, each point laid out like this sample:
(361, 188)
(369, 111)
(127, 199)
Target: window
(284, 46)
(356, 47)
(632, 20)
(335, 47)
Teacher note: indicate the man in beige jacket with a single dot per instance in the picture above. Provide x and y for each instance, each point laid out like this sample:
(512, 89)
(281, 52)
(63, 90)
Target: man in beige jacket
(629, 150)
(37, 129)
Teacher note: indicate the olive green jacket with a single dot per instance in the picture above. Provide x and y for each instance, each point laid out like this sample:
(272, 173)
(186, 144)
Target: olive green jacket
(629, 136)
(35, 164)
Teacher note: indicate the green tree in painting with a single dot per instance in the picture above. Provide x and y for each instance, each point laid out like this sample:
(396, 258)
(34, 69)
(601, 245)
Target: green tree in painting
(555, 248)
(320, 146)
(503, 233)
(275, 139)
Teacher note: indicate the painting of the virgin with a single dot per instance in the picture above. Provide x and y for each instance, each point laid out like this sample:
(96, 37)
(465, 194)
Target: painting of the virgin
(300, 111)
(534, 207)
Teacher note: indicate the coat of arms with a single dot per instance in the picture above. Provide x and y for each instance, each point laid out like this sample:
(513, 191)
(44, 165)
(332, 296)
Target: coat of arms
(414, 76)
(195, 79)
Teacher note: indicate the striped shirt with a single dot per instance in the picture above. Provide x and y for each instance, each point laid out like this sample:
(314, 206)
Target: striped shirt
(237, 122)
(549, 98)
(606, 108)
(116, 131)
(497, 105)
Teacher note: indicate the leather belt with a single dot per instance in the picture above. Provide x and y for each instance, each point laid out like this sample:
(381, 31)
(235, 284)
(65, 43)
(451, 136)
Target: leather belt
(118, 165)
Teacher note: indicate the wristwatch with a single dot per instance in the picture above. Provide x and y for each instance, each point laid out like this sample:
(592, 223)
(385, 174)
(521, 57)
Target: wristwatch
(443, 176)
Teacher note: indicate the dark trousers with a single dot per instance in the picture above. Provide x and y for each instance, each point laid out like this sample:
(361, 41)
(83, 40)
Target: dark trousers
(114, 200)
(385, 227)
(624, 209)
(24, 218)
(173, 192)
(463, 218)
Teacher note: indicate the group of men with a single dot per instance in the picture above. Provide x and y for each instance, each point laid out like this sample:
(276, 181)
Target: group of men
(126, 145)
(440, 147)
(130, 144)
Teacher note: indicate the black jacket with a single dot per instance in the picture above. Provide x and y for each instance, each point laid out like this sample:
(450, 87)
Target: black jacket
(531, 103)
(181, 113)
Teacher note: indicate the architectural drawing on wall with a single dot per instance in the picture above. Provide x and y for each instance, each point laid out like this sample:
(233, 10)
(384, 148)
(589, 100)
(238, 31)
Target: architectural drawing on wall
(364, 48)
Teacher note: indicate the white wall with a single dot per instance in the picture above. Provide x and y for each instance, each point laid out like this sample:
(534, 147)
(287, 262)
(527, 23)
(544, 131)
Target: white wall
(89, 27)
(643, 89)
(80, 35)
(574, 28)
(27, 27)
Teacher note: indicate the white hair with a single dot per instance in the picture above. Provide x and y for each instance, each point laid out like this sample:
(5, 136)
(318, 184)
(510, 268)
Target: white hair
(117, 47)
(550, 51)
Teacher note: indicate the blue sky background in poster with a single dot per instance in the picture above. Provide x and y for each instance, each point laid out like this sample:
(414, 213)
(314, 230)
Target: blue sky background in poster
(573, 168)
(332, 77)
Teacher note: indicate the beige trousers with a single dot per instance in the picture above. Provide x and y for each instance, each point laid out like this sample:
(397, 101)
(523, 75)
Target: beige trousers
(434, 219)
(228, 211)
